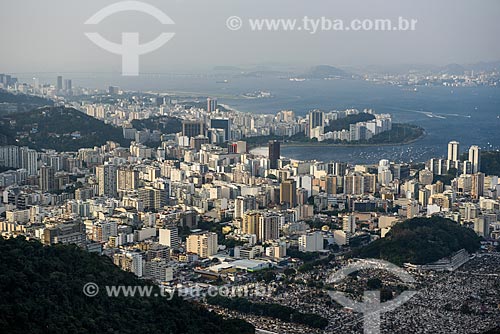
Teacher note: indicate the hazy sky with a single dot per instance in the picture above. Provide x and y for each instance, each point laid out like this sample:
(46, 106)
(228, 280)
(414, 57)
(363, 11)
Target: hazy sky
(48, 36)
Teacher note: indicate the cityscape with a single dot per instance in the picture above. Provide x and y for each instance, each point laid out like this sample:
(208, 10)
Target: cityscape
(128, 210)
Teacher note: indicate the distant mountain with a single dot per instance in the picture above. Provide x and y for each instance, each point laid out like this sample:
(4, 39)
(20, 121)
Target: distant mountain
(326, 71)
(59, 128)
(41, 291)
(453, 69)
(228, 68)
(266, 73)
(484, 66)
(427, 68)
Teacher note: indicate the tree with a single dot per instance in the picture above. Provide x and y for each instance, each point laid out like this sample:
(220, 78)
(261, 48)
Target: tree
(36, 278)
(374, 283)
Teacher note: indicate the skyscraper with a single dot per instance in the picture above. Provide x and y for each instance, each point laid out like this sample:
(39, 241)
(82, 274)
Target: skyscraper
(268, 228)
(204, 245)
(453, 151)
(106, 177)
(315, 118)
(316, 123)
(193, 128)
(211, 105)
(477, 185)
(274, 153)
(59, 85)
(224, 124)
(29, 160)
(475, 158)
(47, 179)
(127, 178)
(68, 86)
(242, 204)
(250, 223)
(288, 193)
(169, 237)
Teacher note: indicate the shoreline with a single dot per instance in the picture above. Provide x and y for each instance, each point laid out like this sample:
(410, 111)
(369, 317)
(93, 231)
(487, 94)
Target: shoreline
(299, 144)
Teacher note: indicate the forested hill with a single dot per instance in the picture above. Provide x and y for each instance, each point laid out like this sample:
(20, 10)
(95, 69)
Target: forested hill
(41, 292)
(59, 128)
(420, 241)
(20, 102)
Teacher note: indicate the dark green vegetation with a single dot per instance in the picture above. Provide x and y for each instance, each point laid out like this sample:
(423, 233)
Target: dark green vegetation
(311, 259)
(202, 105)
(165, 124)
(41, 292)
(59, 128)
(344, 122)
(217, 228)
(446, 179)
(421, 241)
(20, 102)
(400, 133)
(283, 313)
(304, 256)
(490, 163)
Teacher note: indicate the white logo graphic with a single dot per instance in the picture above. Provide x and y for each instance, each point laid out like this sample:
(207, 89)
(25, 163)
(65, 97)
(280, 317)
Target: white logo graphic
(371, 307)
(234, 23)
(130, 49)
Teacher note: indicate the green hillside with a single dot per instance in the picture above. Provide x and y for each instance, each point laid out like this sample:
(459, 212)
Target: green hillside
(421, 241)
(345, 122)
(10, 102)
(41, 292)
(59, 128)
(165, 124)
(490, 163)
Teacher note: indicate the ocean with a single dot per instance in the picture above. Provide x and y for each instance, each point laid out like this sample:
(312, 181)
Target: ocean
(470, 115)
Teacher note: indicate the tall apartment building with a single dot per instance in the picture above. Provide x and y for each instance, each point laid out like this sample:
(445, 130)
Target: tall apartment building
(127, 178)
(311, 242)
(106, 178)
(274, 153)
(169, 237)
(453, 151)
(47, 179)
(475, 159)
(288, 193)
(204, 245)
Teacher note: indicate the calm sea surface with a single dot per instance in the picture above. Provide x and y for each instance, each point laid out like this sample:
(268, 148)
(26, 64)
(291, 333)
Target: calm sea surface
(468, 115)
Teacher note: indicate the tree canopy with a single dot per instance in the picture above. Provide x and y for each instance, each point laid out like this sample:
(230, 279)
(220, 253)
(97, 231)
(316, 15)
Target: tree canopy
(41, 292)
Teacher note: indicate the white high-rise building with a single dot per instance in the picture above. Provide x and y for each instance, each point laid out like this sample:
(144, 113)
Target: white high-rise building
(412, 209)
(453, 151)
(169, 237)
(311, 242)
(475, 158)
(349, 224)
(9, 156)
(29, 160)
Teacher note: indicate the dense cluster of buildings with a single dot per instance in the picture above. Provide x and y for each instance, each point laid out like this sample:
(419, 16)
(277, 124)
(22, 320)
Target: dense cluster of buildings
(318, 120)
(201, 206)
